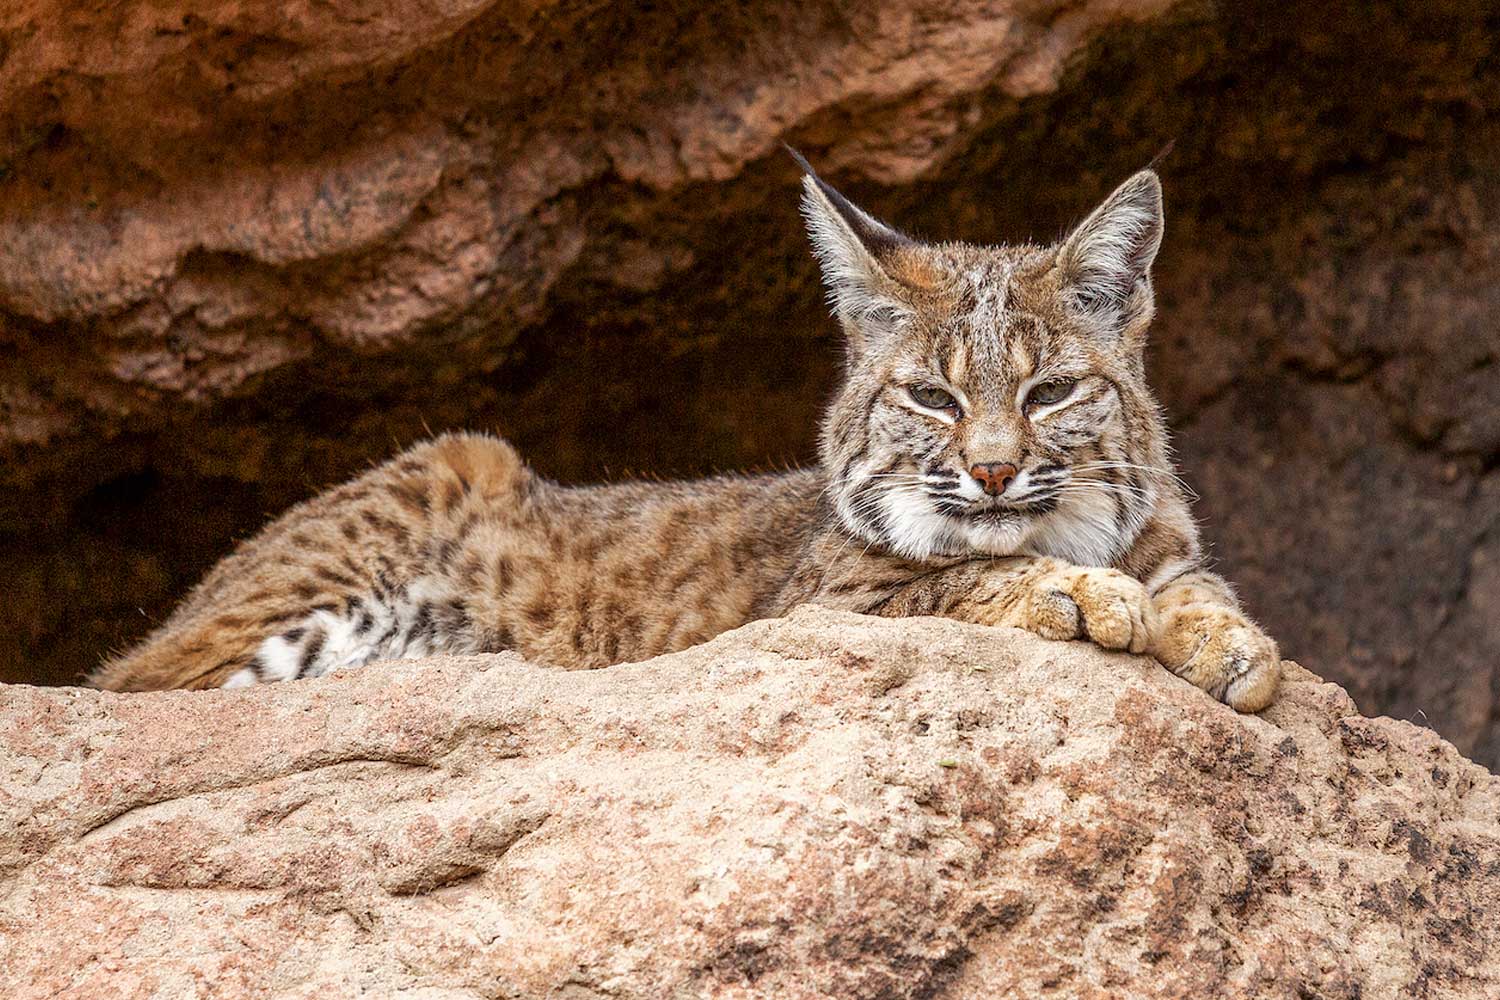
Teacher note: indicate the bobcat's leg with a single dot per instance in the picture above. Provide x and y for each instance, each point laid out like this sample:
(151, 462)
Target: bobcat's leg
(1205, 638)
(1052, 598)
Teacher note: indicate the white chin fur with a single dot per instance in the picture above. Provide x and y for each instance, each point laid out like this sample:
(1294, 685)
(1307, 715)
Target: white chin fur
(1082, 531)
(1004, 539)
(916, 531)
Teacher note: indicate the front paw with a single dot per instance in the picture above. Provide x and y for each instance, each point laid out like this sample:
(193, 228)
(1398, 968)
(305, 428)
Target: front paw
(1105, 605)
(1221, 651)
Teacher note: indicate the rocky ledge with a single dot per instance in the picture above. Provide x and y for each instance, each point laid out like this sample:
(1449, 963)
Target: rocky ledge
(821, 806)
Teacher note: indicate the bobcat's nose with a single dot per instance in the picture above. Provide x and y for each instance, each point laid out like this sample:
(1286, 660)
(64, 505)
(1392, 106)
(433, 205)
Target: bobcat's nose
(993, 476)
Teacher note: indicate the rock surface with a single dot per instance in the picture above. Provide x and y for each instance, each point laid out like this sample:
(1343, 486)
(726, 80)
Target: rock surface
(821, 806)
(247, 249)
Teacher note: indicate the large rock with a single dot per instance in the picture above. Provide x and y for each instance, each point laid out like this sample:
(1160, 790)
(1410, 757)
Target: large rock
(246, 249)
(821, 806)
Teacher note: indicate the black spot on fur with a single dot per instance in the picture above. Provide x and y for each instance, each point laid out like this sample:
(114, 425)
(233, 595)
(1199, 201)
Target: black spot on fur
(410, 495)
(310, 652)
(385, 637)
(469, 572)
(539, 615)
(455, 614)
(588, 548)
(452, 494)
(681, 579)
(385, 525)
(422, 624)
(330, 575)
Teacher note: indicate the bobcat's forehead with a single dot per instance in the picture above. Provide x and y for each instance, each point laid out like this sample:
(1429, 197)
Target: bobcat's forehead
(984, 321)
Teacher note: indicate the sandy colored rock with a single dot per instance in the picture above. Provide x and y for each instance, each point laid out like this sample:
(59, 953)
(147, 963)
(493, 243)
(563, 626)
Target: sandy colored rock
(821, 806)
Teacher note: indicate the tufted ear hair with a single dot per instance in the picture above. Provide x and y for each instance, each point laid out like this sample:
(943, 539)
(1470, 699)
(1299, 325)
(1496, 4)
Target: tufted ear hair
(1106, 261)
(848, 243)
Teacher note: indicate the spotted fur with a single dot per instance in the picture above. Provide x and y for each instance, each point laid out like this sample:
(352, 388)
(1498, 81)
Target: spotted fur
(1028, 358)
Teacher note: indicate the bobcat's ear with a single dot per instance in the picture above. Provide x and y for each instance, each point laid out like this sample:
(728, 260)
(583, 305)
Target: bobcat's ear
(1106, 262)
(848, 243)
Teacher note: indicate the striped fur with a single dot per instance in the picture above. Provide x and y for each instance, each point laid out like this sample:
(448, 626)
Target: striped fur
(455, 546)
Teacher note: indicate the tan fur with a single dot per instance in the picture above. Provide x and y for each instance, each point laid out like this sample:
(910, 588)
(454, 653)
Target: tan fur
(455, 546)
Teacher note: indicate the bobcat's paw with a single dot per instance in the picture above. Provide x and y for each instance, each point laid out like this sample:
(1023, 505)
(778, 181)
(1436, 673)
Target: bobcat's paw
(1105, 605)
(1222, 652)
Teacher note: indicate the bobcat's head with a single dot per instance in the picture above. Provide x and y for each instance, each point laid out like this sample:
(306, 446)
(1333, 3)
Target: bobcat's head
(995, 399)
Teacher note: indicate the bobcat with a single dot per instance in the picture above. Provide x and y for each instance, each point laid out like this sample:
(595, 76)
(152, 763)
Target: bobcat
(993, 455)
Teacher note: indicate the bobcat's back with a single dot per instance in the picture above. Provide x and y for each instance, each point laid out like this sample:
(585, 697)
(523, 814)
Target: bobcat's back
(455, 547)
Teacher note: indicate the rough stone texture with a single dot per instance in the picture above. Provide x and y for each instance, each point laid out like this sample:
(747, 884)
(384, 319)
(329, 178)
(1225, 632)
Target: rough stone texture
(246, 249)
(821, 806)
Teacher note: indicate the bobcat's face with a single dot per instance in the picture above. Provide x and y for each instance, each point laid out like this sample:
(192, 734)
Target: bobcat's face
(995, 400)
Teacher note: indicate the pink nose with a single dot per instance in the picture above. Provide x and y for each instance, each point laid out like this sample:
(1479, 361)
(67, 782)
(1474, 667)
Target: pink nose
(994, 476)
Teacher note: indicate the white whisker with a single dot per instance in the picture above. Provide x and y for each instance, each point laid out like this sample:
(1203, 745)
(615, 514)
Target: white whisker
(1149, 469)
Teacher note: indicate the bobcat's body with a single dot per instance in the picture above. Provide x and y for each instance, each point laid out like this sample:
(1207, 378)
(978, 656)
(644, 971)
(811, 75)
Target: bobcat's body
(455, 546)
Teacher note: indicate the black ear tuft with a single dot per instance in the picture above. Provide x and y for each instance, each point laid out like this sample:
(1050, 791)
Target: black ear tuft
(801, 160)
(849, 244)
(874, 234)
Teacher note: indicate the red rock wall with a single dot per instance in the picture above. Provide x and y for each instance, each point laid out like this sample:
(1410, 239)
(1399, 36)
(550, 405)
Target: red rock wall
(244, 252)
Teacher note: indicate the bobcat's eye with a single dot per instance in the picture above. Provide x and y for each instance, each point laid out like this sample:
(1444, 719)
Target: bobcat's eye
(1047, 393)
(933, 398)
